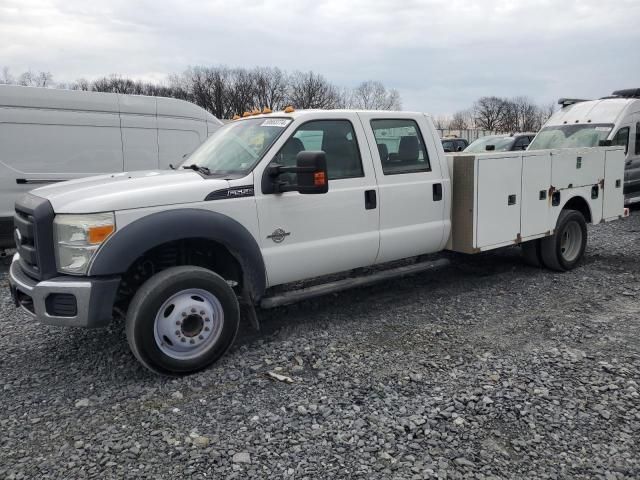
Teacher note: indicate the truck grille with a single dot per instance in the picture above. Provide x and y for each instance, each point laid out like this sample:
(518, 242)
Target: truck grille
(34, 236)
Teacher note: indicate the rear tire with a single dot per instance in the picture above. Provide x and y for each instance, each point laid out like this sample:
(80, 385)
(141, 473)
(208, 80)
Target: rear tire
(564, 249)
(182, 320)
(531, 253)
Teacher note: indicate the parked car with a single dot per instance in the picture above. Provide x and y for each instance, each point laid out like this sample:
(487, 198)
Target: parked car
(49, 135)
(454, 144)
(501, 143)
(271, 201)
(611, 120)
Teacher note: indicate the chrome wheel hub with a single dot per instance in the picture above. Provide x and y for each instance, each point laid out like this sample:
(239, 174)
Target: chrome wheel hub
(188, 324)
(571, 242)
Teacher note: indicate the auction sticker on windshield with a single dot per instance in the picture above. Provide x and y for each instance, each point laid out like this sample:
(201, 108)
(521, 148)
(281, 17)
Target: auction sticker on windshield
(276, 122)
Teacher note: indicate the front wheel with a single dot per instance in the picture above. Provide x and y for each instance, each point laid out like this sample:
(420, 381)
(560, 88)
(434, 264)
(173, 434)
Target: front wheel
(564, 249)
(182, 320)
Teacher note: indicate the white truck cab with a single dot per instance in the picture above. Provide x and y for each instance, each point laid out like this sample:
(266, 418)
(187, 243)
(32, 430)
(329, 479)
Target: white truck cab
(613, 120)
(275, 199)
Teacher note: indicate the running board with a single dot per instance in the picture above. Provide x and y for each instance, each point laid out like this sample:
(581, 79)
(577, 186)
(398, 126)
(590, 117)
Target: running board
(294, 296)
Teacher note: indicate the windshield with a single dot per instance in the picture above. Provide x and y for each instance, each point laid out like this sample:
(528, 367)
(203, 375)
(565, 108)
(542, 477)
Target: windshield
(571, 136)
(502, 144)
(235, 148)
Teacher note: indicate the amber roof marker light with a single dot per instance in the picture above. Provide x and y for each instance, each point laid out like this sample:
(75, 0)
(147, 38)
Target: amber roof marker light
(289, 109)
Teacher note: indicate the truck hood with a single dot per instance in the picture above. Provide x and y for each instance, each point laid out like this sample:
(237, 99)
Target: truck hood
(127, 190)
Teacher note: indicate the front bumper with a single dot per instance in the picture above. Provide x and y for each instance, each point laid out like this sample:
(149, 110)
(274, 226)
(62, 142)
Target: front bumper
(64, 301)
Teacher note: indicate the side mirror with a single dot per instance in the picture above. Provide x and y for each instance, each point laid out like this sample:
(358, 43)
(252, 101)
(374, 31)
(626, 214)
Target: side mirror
(311, 171)
(604, 143)
(490, 148)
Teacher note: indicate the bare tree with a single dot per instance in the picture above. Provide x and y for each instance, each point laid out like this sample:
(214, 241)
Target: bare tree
(372, 95)
(441, 122)
(270, 87)
(461, 120)
(489, 113)
(43, 79)
(310, 90)
(227, 91)
(26, 79)
(242, 91)
(6, 78)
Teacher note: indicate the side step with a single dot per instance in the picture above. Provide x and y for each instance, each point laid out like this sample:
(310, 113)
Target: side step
(294, 296)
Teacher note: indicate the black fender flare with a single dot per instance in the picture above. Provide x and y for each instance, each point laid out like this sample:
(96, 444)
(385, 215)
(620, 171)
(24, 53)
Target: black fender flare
(119, 252)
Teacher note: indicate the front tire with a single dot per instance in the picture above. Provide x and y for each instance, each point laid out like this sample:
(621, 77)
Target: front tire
(182, 320)
(564, 249)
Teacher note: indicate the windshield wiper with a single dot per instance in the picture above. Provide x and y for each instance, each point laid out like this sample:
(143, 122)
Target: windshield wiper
(198, 168)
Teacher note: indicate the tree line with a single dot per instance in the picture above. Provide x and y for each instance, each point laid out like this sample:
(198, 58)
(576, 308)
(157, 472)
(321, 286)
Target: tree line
(518, 114)
(225, 91)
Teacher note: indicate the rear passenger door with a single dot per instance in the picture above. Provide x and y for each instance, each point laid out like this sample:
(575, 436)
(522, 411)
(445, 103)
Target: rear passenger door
(410, 185)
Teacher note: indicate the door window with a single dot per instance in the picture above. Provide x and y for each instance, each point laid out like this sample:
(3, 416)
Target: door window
(448, 145)
(521, 144)
(336, 138)
(404, 145)
(622, 139)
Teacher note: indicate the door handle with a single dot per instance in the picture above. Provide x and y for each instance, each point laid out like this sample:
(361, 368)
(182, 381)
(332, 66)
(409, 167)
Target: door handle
(437, 192)
(370, 199)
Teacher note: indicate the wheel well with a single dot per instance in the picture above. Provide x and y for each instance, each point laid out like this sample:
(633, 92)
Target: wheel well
(199, 252)
(581, 205)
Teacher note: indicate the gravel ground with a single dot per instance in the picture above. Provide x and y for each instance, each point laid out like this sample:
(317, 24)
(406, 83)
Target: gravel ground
(488, 369)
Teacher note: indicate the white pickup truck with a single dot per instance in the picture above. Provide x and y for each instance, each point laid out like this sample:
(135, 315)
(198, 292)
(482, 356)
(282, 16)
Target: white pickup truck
(278, 198)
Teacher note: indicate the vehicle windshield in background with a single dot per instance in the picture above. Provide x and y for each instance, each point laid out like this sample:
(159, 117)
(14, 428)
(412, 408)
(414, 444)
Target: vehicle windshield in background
(235, 148)
(501, 143)
(571, 136)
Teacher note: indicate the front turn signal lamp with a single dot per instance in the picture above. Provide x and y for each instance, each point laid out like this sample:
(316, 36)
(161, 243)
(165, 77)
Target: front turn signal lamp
(78, 238)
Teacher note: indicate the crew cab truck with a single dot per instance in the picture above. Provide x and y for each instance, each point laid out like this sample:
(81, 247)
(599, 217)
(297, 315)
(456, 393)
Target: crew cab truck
(274, 199)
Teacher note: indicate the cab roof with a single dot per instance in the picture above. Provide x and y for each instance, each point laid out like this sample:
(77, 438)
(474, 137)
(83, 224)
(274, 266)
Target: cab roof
(300, 113)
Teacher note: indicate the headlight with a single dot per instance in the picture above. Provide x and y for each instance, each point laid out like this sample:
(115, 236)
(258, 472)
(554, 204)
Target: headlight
(78, 237)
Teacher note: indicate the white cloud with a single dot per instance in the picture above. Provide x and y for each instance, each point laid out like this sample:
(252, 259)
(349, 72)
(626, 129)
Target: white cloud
(440, 54)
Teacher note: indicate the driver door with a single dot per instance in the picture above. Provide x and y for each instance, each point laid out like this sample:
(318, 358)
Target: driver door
(305, 236)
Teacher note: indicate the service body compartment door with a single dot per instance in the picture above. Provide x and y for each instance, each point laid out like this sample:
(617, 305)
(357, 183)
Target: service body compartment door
(536, 180)
(498, 204)
(613, 197)
(576, 168)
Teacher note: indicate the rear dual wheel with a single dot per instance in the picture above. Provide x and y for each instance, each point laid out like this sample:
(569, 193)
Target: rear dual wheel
(564, 249)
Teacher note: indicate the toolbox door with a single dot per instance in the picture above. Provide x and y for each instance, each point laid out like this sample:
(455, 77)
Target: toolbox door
(613, 197)
(536, 203)
(499, 188)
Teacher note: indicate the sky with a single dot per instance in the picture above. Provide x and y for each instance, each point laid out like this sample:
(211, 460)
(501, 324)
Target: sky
(441, 55)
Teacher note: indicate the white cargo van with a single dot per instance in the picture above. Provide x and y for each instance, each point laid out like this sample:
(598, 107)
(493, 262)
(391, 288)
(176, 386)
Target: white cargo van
(613, 120)
(49, 135)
